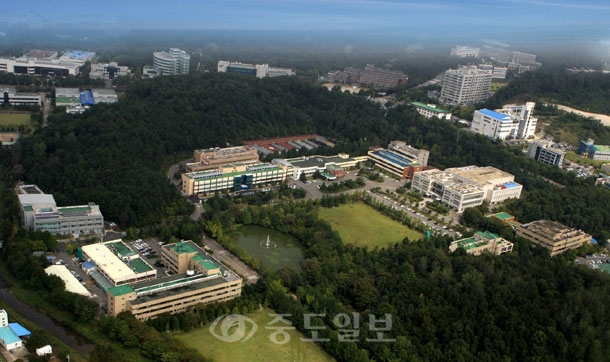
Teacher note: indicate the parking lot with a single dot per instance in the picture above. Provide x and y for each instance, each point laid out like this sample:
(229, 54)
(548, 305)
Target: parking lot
(596, 261)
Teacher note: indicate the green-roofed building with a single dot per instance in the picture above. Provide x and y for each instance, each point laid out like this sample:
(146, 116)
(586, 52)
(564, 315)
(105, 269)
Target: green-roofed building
(186, 255)
(483, 242)
(430, 110)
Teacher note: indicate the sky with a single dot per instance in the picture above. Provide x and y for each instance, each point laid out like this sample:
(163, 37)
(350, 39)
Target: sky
(422, 19)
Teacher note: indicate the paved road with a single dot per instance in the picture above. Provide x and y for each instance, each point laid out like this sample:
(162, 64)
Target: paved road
(41, 320)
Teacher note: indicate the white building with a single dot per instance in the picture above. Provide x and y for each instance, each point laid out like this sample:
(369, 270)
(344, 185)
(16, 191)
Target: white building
(44, 350)
(466, 85)
(175, 62)
(71, 283)
(40, 212)
(257, 70)
(464, 187)
(465, 51)
(430, 110)
(512, 121)
(8, 338)
(15, 98)
(108, 70)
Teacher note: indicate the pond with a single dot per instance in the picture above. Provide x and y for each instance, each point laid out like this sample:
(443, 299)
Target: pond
(271, 248)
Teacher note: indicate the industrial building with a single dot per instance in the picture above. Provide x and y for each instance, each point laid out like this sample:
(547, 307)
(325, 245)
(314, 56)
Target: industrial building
(12, 97)
(466, 86)
(330, 166)
(399, 159)
(232, 177)
(430, 110)
(71, 283)
(11, 333)
(256, 70)
(553, 236)
(512, 121)
(483, 242)
(40, 212)
(542, 152)
(595, 152)
(211, 158)
(108, 70)
(200, 279)
(174, 62)
(46, 63)
(117, 263)
(465, 187)
(77, 101)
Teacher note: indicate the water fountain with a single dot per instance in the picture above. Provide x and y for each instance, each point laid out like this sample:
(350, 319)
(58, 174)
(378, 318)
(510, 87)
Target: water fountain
(268, 244)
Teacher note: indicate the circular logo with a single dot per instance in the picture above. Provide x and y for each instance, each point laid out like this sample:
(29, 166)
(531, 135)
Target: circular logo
(233, 328)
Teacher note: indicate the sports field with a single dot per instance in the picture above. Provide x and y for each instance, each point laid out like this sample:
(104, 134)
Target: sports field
(361, 225)
(14, 119)
(259, 347)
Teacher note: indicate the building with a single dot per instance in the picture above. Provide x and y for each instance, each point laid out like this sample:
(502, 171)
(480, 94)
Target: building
(542, 152)
(463, 51)
(44, 350)
(176, 62)
(77, 101)
(200, 279)
(399, 159)
(79, 57)
(108, 70)
(333, 166)
(512, 121)
(483, 242)
(40, 212)
(594, 152)
(553, 236)
(211, 158)
(506, 219)
(514, 60)
(465, 187)
(378, 78)
(117, 263)
(12, 97)
(46, 63)
(232, 177)
(466, 85)
(71, 283)
(8, 338)
(256, 70)
(430, 110)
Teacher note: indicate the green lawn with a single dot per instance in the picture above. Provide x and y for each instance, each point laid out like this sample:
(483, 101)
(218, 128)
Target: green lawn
(14, 119)
(257, 348)
(361, 225)
(572, 156)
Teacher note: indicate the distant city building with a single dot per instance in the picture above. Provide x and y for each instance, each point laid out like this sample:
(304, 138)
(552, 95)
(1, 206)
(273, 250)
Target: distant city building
(512, 121)
(430, 110)
(465, 187)
(78, 101)
(232, 177)
(513, 60)
(256, 70)
(595, 152)
(207, 159)
(329, 166)
(11, 97)
(553, 236)
(466, 86)
(46, 63)
(199, 279)
(40, 212)
(399, 159)
(108, 70)
(542, 152)
(483, 242)
(377, 78)
(176, 62)
(465, 51)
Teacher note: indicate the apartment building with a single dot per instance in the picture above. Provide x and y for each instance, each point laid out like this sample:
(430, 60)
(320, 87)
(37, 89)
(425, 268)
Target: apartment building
(466, 85)
(483, 242)
(553, 236)
(431, 110)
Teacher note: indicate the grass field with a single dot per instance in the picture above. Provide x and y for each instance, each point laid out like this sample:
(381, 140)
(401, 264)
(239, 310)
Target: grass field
(257, 348)
(572, 156)
(14, 119)
(361, 225)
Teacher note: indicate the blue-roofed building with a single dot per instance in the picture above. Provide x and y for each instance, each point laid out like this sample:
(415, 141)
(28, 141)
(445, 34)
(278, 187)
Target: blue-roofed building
(19, 330)
(86, 98)
(399, 159)
(494, 125)
(9, 339)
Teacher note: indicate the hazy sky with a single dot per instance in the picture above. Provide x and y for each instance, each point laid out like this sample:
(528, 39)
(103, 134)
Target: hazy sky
(420, 18)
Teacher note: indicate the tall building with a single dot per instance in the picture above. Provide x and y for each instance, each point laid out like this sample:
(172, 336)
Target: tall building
(465, 51)
(466, 85)
(40, 212)
(553, 236)
(541, 152)
(256, 70)
(483, 242)
(176, 62)
(200, 279)
(512, 121)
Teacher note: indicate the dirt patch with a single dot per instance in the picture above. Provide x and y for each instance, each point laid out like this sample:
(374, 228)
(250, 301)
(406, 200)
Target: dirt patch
(603, 118)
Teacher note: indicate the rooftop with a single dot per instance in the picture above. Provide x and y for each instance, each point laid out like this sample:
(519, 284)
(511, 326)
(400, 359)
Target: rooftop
(71, 284)
(428, 107)
(19, 330)
(393, 157)
(602, 148)
(182, 247)
(120, 290)
(500, 116)
(110, 264)
(8, 336)
(503, 215)
(168, 287)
